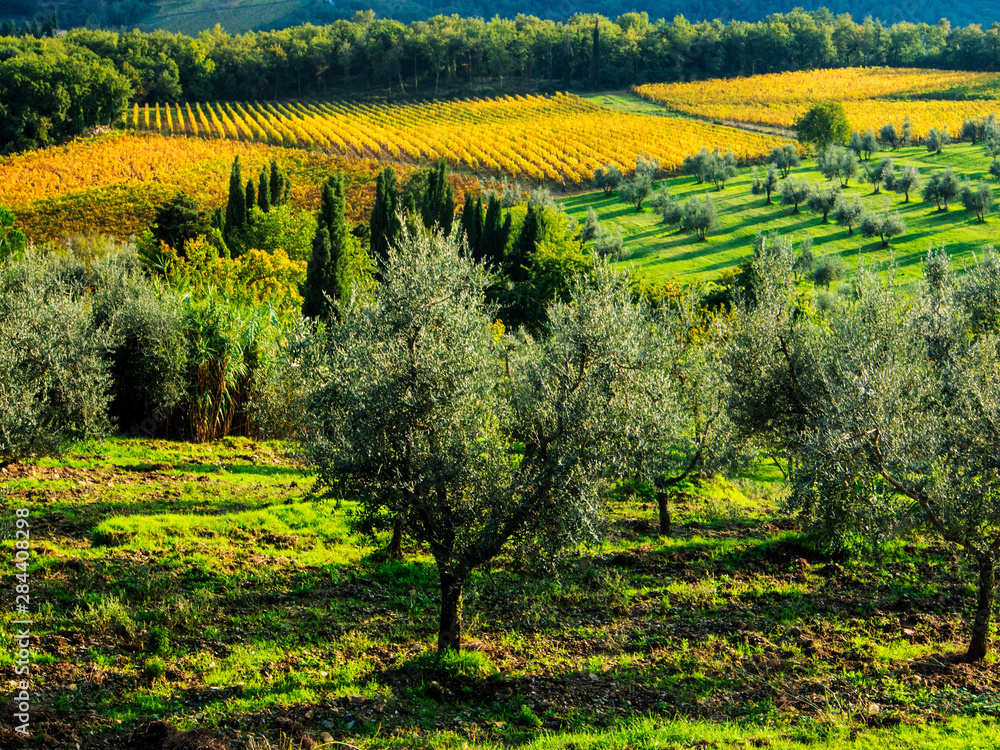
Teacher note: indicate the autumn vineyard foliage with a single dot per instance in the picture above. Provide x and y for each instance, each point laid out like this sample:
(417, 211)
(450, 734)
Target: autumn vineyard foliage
(871, 97)
(556, 139)
(111, 184)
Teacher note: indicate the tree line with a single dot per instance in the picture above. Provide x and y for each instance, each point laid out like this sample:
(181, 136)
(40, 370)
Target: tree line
(368, 55)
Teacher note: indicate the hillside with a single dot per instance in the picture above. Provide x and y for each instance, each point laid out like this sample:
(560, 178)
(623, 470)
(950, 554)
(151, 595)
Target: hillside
(237, 16)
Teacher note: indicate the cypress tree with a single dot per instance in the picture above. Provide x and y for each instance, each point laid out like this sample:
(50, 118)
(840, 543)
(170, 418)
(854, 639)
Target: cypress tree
(492, 240)
(279, 184)
(524, 247)
(326, 272)
(318, 281)
(438, 204)
(384, 223)
(236, 206)
(264, 192)
(470, 226)
(446, 217)
(251, 199)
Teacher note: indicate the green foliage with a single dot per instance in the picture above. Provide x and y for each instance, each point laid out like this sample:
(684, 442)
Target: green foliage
(823, 125)
(848, 213)
(424, 365)
(785, 157)
(977, 198)
(941, 187)
(699, 216)
(385, 221)
(884, 226)
(837, 162)
(327, 275)
(608, 178)
(828, 270)
(52, 92)
(179, 220)
(12, 241)
(282, 227)
(905, 182)
(889, 136)
(824, 201)
(236, 205)
(795, 191)
(147, 359)
(437, 206)
(56, 384)
(767, 184)
(636, 190)
(936, 139)
(882, 173)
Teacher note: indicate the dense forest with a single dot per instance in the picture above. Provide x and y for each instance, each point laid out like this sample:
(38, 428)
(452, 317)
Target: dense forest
(446, 55)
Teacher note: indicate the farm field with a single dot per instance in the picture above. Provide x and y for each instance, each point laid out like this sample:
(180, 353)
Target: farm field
(111, 184)
(871, 97)
(660, 253)
(559, 139)
(202, 585)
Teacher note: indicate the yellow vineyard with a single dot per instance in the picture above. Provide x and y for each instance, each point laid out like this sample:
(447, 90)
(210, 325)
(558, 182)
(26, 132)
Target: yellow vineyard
(112, 184)
(559, 139)
(871, 97)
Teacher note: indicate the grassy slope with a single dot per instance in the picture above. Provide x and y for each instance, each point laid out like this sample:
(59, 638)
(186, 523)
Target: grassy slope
(659, 252)
(201, 585)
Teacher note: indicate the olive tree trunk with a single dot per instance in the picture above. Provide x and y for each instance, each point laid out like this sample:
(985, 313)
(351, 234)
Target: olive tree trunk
(664, 509)
(450, 629)
(984, 612)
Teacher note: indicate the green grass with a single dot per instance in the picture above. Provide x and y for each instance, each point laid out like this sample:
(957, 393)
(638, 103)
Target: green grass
(204, 585)
(660, 253)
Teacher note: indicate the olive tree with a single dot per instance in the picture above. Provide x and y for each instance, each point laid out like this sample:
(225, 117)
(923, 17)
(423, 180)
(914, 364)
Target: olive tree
(785, 158)
(767, 184)
(824, 201)
(56, 384)
(795, 191)
(883, 225)
(905, 182)
(479, 440)
(608, 178)
(941, 187)
(977, 198)
(907, 431)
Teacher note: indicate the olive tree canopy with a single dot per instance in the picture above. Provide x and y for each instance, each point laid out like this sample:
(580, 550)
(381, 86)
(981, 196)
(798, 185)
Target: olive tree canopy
(478, 439)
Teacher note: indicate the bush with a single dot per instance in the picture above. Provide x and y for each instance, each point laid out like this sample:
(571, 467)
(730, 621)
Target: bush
(56, 386)
(148, 360)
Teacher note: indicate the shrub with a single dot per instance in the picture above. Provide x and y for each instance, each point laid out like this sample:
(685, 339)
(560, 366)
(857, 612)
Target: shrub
(55, 387)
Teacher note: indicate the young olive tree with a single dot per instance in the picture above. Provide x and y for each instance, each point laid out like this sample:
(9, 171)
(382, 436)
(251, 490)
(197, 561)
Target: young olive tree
(768, 357)
(785, 158)
(885, 225)
(907, 433)
(476, 440)
(795, 191)
(767, 184)
(905, 182)
(824, 201)
(977, 198)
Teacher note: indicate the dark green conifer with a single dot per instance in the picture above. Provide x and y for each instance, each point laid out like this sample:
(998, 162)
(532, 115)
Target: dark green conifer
(236, 206)
(264, 192)
(384, 223)
(326, 273)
